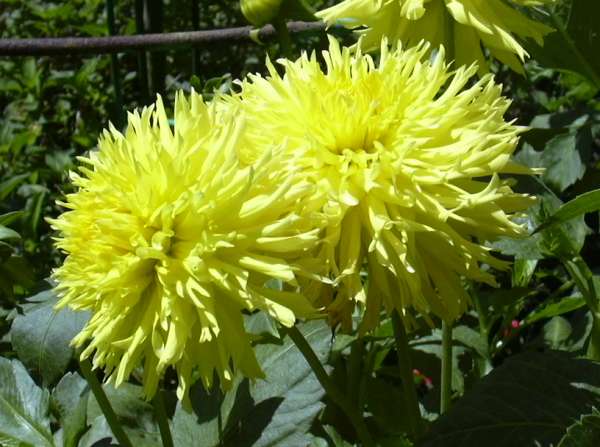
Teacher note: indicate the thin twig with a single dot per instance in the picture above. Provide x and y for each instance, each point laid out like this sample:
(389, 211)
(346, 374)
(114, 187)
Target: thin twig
(119, 44)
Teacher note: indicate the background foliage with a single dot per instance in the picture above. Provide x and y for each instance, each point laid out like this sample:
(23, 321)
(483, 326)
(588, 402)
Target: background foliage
(519, 353)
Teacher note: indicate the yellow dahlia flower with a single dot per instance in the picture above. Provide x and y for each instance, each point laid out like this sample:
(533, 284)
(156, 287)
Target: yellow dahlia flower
(168, 239)
(461, 25)
(411, 153)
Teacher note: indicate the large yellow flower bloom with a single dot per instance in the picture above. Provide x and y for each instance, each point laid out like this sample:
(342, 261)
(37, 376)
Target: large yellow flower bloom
(411, 153)
(461, 25)
(168, 239)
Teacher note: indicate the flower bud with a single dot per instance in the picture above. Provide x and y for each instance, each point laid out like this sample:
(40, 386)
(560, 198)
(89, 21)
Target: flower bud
(260, 12)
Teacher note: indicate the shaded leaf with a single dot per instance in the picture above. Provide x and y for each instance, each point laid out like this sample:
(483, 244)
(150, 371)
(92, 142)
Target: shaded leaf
(42, 336)
(583, 433)
(278, 410)
(585, 203)
(563, 306)
(70, 398)
(532, 398)
(24, 407)
(6, 234)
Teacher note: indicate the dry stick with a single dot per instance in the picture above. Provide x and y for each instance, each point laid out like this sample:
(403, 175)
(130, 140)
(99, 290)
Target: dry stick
(119, 44)
(334, 393)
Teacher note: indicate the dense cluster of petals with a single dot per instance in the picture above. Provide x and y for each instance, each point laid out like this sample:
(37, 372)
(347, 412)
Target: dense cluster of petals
(409, 153)
(462, 25)
(169, 240)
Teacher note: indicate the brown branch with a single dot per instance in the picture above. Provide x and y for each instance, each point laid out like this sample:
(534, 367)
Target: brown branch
(118, 44)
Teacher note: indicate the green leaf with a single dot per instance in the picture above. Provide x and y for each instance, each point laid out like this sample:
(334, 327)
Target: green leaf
(278, 410)
(562, 241)
(6, 234)
(70, 397)
(470, 338)
(8, 218)
(24, 408)
(530, 400)
(564, 158)
(580, 205)
(561, 307)
(9, 185)
(42, 336)
(583, 433)
(556, 332)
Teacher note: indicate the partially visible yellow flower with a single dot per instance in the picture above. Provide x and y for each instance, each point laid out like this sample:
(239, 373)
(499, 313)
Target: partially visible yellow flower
(461, 25)
(168, 239)
(411, 152)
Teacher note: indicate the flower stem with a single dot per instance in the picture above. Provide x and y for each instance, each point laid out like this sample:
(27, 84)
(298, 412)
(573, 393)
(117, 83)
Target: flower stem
(283, 36)
(411, 400)
(584, 279)
(446, 385)
(107, 410)
(337, 396)
(161, 417)
(485, 363)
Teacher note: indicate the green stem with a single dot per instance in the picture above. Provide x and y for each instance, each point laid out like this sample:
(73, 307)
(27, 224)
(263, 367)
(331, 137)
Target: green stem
(446, 385)
(283, 35)
(115, 75)
(162, 419)
(584, 279)
(411, 400)
(337, 396)
(107, 410)
(485, 363)
(449, 25)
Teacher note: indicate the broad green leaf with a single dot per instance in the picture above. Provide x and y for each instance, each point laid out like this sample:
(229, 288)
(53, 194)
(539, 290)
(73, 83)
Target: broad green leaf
(70, 398)
(530, 400)
(278, 410)
(564, 158)
(585, 203)
(24, 408)
(583, 433)
(42, 336)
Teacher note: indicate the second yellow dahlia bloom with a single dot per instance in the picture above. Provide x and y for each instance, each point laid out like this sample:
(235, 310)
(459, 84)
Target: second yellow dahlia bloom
(411, 153)
(462, 25)
(168, 239)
